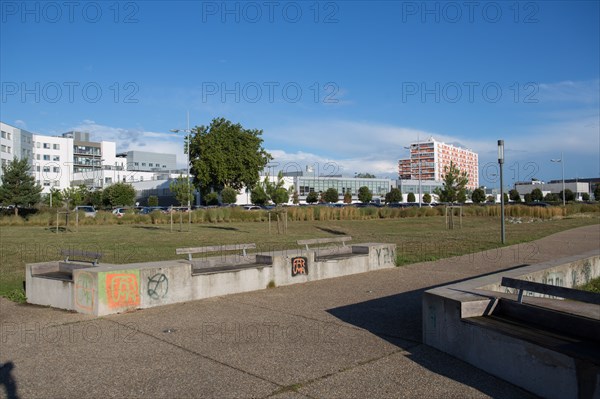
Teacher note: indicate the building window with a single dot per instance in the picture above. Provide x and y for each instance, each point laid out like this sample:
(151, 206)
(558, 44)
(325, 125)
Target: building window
(46, 157)
(56, 146)
(37, 144)
(37, 168)
(46, 183)
(108, 180)
(143, 163)
(164, 166)
(47, 146)
(56, 169)
(3, 134)
(46, 168)
(151, 164)
(56, 158)
(37, 156)
(3, 148)
(136, 164)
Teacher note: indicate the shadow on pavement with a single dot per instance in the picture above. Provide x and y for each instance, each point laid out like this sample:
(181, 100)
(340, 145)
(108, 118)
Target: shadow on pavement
(397, 319)
(8, 381)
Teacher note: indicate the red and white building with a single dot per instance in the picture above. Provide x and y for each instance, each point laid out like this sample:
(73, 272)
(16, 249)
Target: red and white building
(434, 156)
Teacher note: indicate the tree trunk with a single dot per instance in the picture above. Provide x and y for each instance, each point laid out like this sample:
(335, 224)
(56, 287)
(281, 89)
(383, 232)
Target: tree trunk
(16, 211)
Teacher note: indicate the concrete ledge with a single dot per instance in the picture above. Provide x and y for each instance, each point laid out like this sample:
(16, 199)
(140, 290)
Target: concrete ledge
(450, 324)
(106, 289)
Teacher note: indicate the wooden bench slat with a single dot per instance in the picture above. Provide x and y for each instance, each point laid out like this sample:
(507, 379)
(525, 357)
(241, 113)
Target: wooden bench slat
(214, 248)
(324, 240)
(553, 290)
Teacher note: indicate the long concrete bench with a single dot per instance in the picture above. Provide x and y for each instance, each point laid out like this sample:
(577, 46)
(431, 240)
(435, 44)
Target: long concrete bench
(110, 288)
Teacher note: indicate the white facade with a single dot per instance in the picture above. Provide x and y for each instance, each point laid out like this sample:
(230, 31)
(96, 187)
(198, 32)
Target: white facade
(577, 188)
(52, 162)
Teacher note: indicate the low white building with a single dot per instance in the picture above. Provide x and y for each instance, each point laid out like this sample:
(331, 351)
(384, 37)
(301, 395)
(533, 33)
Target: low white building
(578, 188)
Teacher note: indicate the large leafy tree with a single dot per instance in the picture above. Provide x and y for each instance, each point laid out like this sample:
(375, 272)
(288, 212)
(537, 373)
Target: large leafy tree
(225, 154)
(119, 194)
(454, 184)
(364, 194)
(365, 176)
(18, 185)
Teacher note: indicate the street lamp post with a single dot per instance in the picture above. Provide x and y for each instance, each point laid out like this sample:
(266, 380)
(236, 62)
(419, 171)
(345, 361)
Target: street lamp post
(189, 132)
(562, 164)
(501, 163)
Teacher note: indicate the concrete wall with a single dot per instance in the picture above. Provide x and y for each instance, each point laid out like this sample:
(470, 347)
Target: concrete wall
(108, 289)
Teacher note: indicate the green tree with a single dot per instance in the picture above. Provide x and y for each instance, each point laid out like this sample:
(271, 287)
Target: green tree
(569, 195)
(95, 198)
(18, 185)
(527, 197)
(182, 189)
(427, 198)
(295, 198)
(551, 197)
(74, 196)
(57, 199)
(585, 197)
(312, 197)
(258, 196)
(347, 197)
(119, 194)
(478, 196)
(365, 195)
(395, 195)
(597, 192)
(411, 197)
(229, 195)
(331, 195)
(226, 155)
(514, 195)
(491, 199)
(537, 195)
(276, 191)
(454, 185)
(211, 198)
(365, 176)
(505, 196)
(153, 200)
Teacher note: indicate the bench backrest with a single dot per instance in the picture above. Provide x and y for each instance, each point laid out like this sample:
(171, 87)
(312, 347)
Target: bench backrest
(214, 248)
(553, 290)
(81, 256)
(313, 241)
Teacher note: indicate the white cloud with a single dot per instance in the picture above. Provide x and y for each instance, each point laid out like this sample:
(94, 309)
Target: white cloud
(20, 124)
(586, 92)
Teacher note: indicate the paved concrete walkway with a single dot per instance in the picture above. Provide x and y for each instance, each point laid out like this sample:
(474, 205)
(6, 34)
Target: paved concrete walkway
(350, 337)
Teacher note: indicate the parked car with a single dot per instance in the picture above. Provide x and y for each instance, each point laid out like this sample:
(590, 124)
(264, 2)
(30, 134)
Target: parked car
(252, 208)
(88, 211)
(119, 212)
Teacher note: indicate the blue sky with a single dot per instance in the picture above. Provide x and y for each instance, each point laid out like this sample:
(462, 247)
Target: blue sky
(347, 82)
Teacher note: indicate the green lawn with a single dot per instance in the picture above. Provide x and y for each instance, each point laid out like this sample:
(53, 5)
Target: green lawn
(418, 239)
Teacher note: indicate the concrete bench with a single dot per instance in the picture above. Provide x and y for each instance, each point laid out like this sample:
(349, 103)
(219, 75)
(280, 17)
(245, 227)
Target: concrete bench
(316, 241)
(76, 255)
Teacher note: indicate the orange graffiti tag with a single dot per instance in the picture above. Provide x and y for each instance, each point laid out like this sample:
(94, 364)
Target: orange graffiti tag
(299, 266)
(122, 290)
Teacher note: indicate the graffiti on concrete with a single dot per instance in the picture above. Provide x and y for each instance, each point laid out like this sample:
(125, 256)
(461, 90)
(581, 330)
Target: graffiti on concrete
(158, 286)
(84, 292)
(385, 255)
(122, 290)
(299, 265)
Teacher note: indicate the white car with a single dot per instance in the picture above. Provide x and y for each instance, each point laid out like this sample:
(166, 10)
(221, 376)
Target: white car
(88, 211)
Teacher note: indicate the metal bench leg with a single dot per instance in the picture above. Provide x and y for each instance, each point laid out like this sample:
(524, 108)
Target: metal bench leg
(190, 257)
(520, 296)
(244, 251)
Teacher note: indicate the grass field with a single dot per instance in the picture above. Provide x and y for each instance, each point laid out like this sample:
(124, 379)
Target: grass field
(417, 238)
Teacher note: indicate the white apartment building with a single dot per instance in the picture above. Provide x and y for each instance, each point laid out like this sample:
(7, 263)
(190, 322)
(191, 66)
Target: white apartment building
(429, 158)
